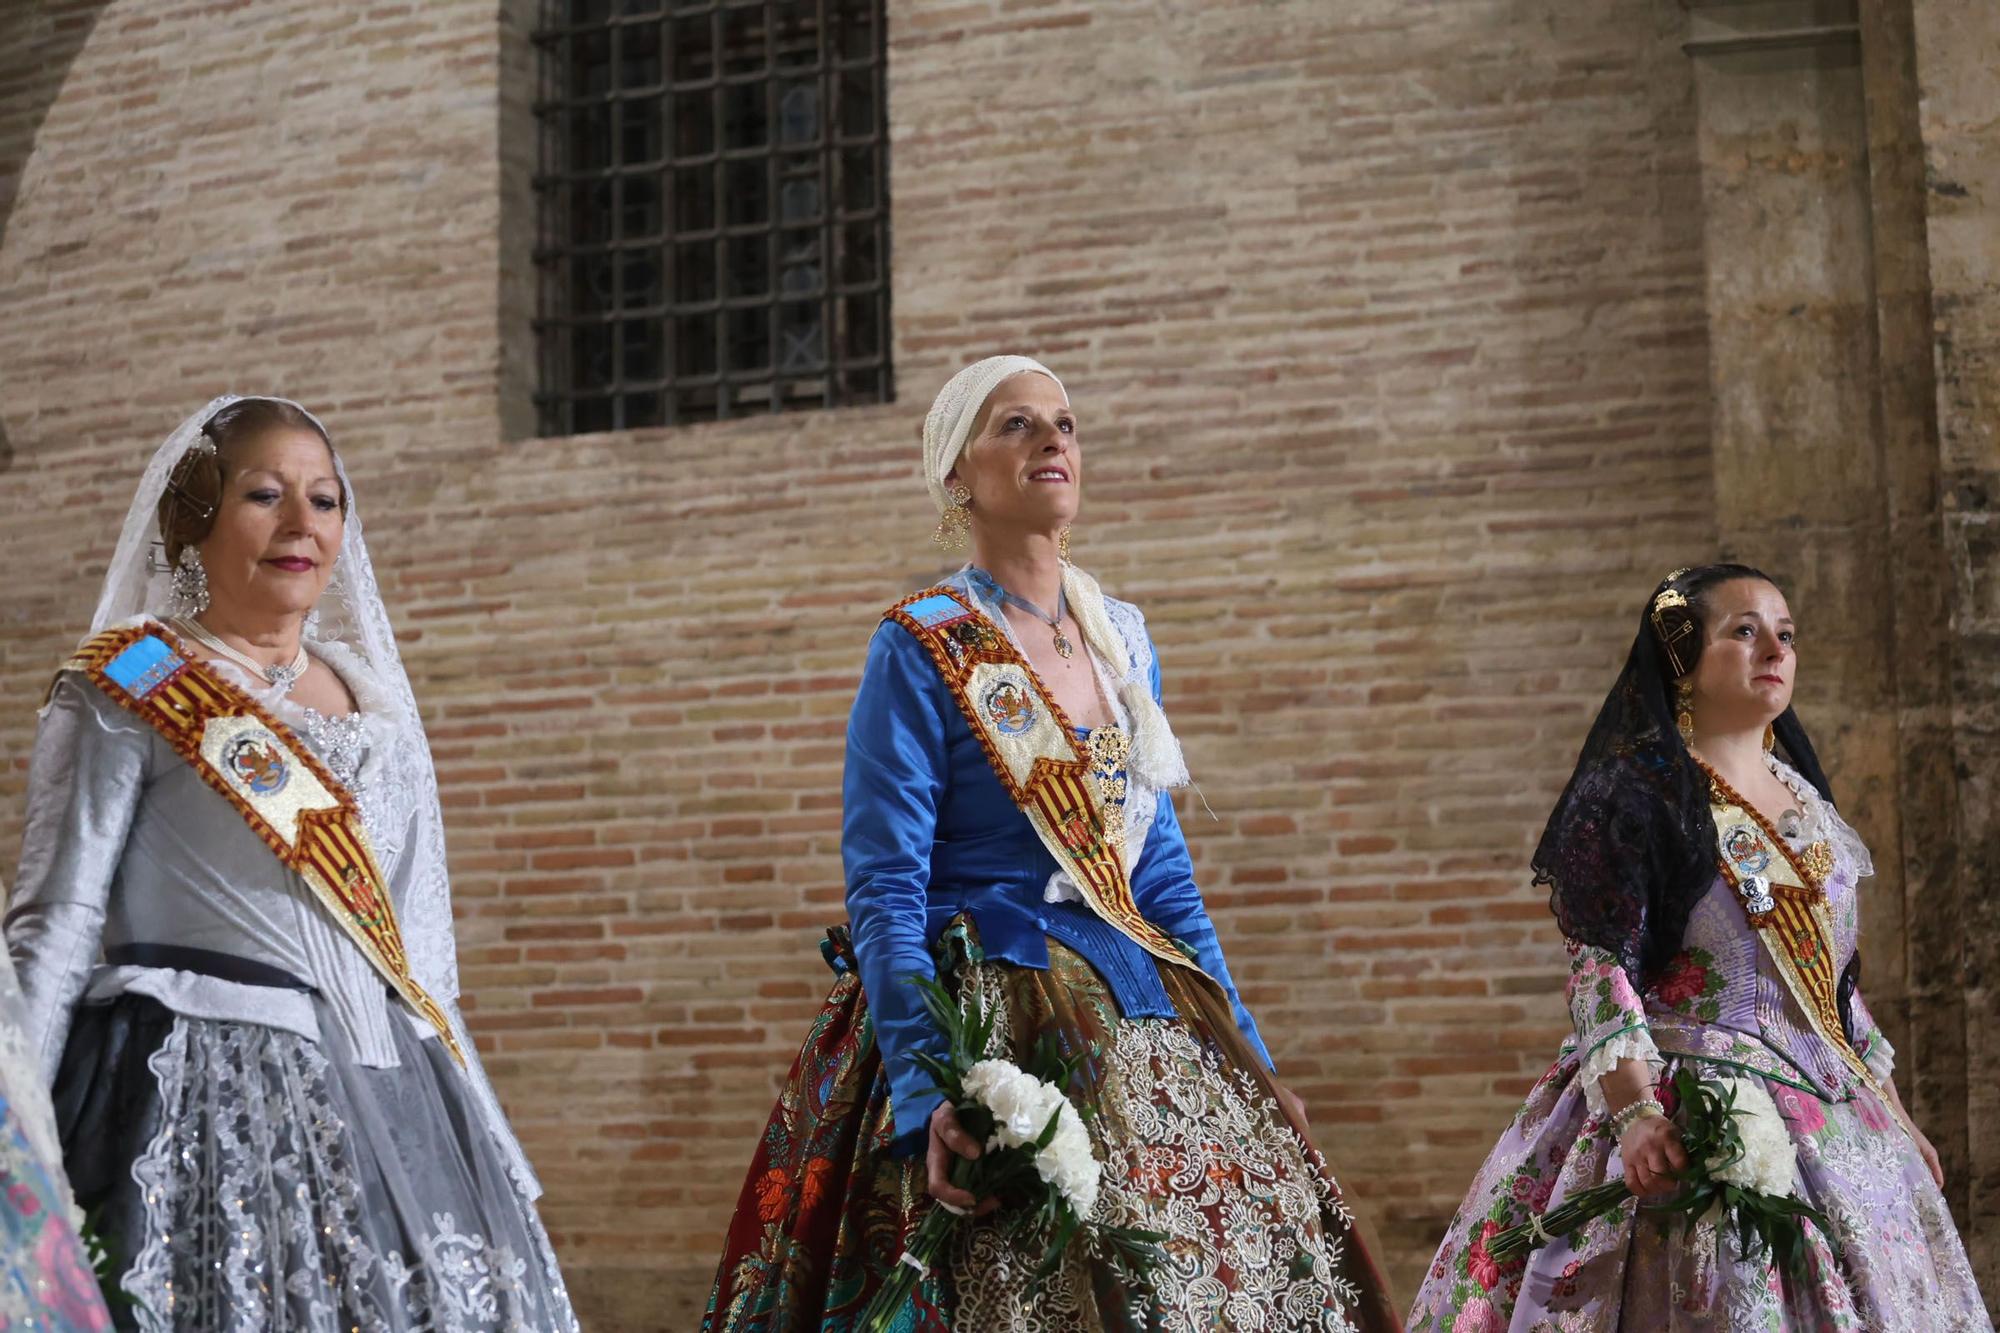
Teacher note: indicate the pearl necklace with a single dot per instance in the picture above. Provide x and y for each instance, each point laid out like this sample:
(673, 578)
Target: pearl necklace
(282, 676)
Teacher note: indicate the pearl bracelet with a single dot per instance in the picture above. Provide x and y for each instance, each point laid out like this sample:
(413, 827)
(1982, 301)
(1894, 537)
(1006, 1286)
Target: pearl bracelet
(1629, 1115)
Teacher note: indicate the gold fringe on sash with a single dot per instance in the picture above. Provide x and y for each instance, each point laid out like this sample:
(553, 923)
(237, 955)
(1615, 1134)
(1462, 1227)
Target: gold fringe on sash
(1784, 897)
(283, 792)
(1035, 753)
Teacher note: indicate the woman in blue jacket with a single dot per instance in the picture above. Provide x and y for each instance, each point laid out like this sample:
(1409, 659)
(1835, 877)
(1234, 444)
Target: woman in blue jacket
(1007, 828)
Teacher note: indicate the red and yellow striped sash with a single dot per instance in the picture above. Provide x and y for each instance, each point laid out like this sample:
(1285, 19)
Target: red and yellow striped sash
(1035, 753)
(289, 799)
(1784, 896)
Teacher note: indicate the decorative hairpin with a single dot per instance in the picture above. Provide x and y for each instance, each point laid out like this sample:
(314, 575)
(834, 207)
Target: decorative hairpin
(203, 509)
(200, 447)
(1682, 627)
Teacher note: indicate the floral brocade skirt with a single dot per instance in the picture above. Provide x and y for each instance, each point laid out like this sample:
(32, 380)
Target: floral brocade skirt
(1192, 1142)
(1892, 1259)
(45, 1277)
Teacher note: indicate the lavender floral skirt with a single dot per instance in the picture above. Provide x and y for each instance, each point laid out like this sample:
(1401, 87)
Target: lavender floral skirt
(1900, 1264)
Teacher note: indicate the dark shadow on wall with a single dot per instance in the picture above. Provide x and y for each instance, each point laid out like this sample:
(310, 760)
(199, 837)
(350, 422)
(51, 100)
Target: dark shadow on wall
(39, 39)
(520, 71)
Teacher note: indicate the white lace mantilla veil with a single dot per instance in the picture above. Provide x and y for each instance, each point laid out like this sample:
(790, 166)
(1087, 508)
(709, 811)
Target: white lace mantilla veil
(351, 617)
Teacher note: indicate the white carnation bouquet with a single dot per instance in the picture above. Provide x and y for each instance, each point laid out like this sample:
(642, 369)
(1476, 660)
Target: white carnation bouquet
(1038, 1160)
(1741, 1171)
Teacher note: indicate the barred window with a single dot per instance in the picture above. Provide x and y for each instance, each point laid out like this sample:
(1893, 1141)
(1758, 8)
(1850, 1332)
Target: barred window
(713, 210)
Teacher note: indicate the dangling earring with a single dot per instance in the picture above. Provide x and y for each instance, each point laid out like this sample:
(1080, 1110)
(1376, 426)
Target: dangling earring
(956, 520)
(1770, 738)
(190, 584)
(1062, 545)
(1684, 723)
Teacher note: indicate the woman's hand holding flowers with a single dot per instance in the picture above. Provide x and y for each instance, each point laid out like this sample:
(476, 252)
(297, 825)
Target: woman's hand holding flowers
(1651, 1150)
(948, 1137)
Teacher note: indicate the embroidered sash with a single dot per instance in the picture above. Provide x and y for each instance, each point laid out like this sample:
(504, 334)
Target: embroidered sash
(1047, 769)
(1784, 895)
(283, 792)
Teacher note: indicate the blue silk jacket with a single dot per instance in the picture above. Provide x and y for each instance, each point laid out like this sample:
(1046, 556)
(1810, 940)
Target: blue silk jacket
(928, 832)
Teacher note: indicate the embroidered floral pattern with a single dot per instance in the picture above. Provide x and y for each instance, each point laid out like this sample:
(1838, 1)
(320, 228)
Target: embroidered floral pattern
(252, 1177)
(1256, 1231)
(1599, 986)
(44, 1281)
(1902, 1265)
(1610, 1019)
(1692, 985)
(1258, 1238)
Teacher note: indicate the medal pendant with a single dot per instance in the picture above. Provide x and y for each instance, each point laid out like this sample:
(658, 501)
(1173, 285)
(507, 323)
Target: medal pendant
(1063, 645)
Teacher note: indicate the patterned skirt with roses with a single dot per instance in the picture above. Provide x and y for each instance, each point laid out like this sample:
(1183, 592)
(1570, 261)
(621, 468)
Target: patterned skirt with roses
(1193, 1146)
(1893, 1259)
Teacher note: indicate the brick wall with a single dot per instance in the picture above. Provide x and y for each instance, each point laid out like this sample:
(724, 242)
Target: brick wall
(1385, 323)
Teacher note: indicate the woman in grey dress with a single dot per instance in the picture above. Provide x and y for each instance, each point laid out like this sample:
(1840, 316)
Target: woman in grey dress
(261, 1078)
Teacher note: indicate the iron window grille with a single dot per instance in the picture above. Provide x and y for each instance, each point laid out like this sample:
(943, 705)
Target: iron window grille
(713, 210)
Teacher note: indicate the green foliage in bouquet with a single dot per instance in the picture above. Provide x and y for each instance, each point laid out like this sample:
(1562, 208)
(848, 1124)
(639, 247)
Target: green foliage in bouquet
(1756, 1203)
(1739, 1171)
(1037, 1157)
(104, 1267)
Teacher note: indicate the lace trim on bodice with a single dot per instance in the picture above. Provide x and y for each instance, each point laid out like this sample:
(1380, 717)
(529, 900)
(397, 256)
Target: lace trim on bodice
(1823, 822)
(362, 748)
(1140, 799)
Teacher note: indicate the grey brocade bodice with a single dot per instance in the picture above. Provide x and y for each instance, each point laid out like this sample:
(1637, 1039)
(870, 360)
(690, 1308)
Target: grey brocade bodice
(124, 844)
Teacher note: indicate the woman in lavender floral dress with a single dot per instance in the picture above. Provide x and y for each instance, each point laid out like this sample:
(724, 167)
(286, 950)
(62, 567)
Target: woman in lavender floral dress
(1696, 819)
(46, 1280)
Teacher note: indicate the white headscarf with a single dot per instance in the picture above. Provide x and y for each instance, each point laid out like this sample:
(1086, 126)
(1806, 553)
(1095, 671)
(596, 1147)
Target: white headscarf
(955, 410)
(1156, 761)
(352, 620)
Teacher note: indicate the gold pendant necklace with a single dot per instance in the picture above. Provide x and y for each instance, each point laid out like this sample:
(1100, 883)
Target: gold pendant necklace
(1054, 622)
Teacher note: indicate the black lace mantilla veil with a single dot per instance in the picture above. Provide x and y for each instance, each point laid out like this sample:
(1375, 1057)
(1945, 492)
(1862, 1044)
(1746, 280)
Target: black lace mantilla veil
(1631, 846)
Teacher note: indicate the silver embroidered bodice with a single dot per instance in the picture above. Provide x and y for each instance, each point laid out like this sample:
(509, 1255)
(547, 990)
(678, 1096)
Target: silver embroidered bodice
(125, 844)
(341, 743)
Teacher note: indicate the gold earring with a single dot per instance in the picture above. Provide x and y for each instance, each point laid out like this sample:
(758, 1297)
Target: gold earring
(956, 520)
(1062, 545)
(1770, 738)
(1684, 723)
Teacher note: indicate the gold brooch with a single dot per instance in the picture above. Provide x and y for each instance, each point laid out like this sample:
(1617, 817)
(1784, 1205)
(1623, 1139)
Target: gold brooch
(1817, 861)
